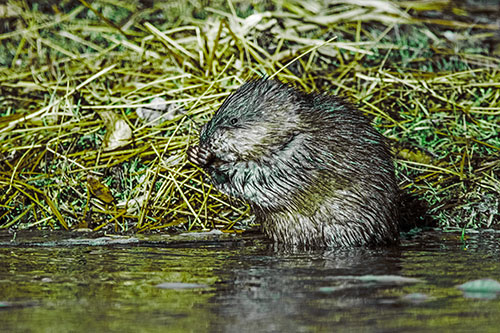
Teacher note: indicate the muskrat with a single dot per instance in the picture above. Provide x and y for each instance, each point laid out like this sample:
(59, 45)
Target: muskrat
(312, 168)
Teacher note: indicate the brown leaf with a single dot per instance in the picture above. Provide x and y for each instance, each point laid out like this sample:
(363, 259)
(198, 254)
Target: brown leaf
(99, 190)
(415, 156)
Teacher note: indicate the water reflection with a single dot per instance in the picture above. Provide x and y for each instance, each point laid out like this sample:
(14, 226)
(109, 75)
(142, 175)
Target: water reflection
(248, 286)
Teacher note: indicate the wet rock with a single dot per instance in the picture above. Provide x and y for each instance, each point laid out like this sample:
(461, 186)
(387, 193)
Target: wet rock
(481, 288)
(181, 285)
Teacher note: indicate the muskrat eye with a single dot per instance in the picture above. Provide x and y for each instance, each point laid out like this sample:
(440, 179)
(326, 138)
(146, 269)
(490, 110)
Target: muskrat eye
(233, 121)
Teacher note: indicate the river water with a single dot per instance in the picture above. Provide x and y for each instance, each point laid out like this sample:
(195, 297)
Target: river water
(221, 283)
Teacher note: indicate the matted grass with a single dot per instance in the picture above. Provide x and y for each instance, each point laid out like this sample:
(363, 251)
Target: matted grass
(82, 84)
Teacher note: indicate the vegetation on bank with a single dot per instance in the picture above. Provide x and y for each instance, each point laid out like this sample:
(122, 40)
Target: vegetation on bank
(99, 101)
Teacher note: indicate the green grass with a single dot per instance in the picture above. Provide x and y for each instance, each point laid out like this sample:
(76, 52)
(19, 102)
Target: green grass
(74, 152)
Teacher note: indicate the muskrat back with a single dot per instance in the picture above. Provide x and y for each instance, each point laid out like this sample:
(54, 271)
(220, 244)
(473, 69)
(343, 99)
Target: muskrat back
(312, 168)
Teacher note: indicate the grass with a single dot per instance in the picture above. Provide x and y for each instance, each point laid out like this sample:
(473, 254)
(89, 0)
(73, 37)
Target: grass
(83, 84)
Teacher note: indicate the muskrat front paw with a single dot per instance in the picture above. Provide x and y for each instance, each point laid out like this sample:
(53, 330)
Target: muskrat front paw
(199, 156)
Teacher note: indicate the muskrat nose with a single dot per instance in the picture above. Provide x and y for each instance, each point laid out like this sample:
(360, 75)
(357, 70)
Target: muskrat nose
(204, 134)
(207, 132)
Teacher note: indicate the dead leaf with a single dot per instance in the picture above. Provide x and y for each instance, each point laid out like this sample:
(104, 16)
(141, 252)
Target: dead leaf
(158, 110)
(99, 190)
(415, 156)
(118, 132)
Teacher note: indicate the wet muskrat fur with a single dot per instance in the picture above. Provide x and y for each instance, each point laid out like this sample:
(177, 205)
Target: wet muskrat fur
(312, 168)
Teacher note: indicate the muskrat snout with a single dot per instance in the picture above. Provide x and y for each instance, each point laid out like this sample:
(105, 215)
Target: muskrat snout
(199, 156)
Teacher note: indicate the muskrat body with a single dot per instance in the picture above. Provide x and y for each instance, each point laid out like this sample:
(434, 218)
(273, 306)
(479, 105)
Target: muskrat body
(312, 168)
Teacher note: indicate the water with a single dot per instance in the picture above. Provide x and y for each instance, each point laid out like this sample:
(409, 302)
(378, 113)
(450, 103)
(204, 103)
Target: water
(51, 284)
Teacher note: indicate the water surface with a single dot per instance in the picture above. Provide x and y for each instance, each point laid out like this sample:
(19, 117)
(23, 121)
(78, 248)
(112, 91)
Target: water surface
(49, 283)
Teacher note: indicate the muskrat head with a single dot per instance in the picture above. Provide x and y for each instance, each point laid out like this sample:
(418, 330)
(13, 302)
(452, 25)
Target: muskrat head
(257, 120)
